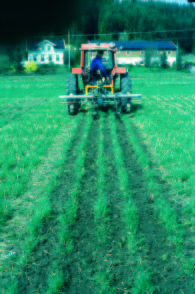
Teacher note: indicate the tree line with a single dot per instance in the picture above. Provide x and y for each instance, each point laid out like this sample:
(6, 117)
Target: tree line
(122, 21)
(104, 17)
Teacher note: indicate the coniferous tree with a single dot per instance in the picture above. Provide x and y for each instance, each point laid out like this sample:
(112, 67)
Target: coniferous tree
(178, 58)
(148, 57)
(123, 36)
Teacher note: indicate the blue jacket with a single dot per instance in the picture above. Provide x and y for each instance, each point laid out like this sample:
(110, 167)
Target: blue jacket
(97, 64)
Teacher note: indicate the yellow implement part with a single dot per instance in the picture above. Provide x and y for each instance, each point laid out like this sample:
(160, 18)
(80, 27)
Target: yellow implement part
(106, 86)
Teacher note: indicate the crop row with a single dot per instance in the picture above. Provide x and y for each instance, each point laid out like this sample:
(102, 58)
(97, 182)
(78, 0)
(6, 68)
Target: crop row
(101, 210)
(165, 212)
(21, 156)
(39, 206)
(171, 137)
(130, 217)
(69, 213)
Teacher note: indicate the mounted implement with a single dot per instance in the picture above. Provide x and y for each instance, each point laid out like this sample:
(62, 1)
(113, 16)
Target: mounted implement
(97, 90)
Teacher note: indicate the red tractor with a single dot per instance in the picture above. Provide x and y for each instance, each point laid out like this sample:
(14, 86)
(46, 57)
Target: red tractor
(101, 91)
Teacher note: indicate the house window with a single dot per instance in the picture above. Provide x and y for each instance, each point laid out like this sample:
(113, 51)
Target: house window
(30, 58)
(169, 52)
(42, 58)
(57, 58)
(50, 58)
(128, 52)
(48, 48)
(35, 58)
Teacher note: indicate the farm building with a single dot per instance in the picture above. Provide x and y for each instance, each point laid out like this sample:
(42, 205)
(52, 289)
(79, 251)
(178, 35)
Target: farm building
(133, 52)
(46, 51)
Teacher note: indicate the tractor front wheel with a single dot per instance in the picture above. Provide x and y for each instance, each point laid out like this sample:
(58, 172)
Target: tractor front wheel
(72, 89)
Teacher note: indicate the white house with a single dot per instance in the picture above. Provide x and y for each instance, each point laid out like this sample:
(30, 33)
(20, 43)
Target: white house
(46, 52)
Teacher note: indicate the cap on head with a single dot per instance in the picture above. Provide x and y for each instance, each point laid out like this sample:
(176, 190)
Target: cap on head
(100, 53)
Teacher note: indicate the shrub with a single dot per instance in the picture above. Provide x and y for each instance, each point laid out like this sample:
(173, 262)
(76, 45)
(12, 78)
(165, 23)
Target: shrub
(31, 67)
(148, 57)
(163, 60)
(5, 66)
(174, 65)
(49, 68)
(189, 64)
(74, 57)
(179, 64)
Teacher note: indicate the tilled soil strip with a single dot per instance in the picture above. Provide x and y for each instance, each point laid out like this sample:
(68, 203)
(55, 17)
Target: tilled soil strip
(119, 263)
(80, 264)
(174, 200)
(89, 259)
(153, 165)
(167, 271)
(35, 274)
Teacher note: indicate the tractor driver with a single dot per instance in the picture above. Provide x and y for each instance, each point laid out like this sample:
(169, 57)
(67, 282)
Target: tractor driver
(97, 64)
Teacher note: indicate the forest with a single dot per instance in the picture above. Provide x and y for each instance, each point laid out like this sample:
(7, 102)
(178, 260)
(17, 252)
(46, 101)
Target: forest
(140, 20)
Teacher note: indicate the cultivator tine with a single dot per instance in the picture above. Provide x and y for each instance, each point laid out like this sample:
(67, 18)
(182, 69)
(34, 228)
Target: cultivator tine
(95, 113)
(117, 113)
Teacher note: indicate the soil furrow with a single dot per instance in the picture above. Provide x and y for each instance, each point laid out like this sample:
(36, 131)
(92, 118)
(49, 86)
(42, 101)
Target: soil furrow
(118, 258)
(176, 201)
(80, 265)
(34, 275)
(164, 186)
(167, 270)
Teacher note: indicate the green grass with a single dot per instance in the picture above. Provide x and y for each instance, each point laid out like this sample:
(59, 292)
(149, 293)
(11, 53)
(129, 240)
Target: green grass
(166, 122)
(166, 125)
(35, 137)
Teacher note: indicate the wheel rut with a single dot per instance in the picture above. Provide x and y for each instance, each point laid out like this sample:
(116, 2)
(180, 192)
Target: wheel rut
(167, 272)
(175, 201)
(34, 275)
(116, 252)
(80, 265)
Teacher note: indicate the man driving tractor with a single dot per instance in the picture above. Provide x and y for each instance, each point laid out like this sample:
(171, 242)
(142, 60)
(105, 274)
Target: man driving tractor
(97, 64)
(95, 89)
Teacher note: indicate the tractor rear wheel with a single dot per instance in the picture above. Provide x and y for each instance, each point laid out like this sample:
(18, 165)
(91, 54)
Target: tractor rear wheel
(126, 88)
(72, 89)
(126, 83)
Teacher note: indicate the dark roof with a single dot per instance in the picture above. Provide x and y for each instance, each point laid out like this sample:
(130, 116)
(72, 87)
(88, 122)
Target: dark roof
(33, 45)
(134, 45)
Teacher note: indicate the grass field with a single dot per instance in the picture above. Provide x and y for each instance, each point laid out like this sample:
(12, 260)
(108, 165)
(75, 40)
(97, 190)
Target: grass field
(102, 206)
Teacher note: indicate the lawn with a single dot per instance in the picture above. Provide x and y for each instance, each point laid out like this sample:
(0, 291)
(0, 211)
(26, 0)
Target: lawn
(102, 206)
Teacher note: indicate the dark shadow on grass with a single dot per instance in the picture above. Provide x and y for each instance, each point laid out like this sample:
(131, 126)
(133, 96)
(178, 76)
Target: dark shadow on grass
(136, 107)
(83, 110)
(105, 108)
